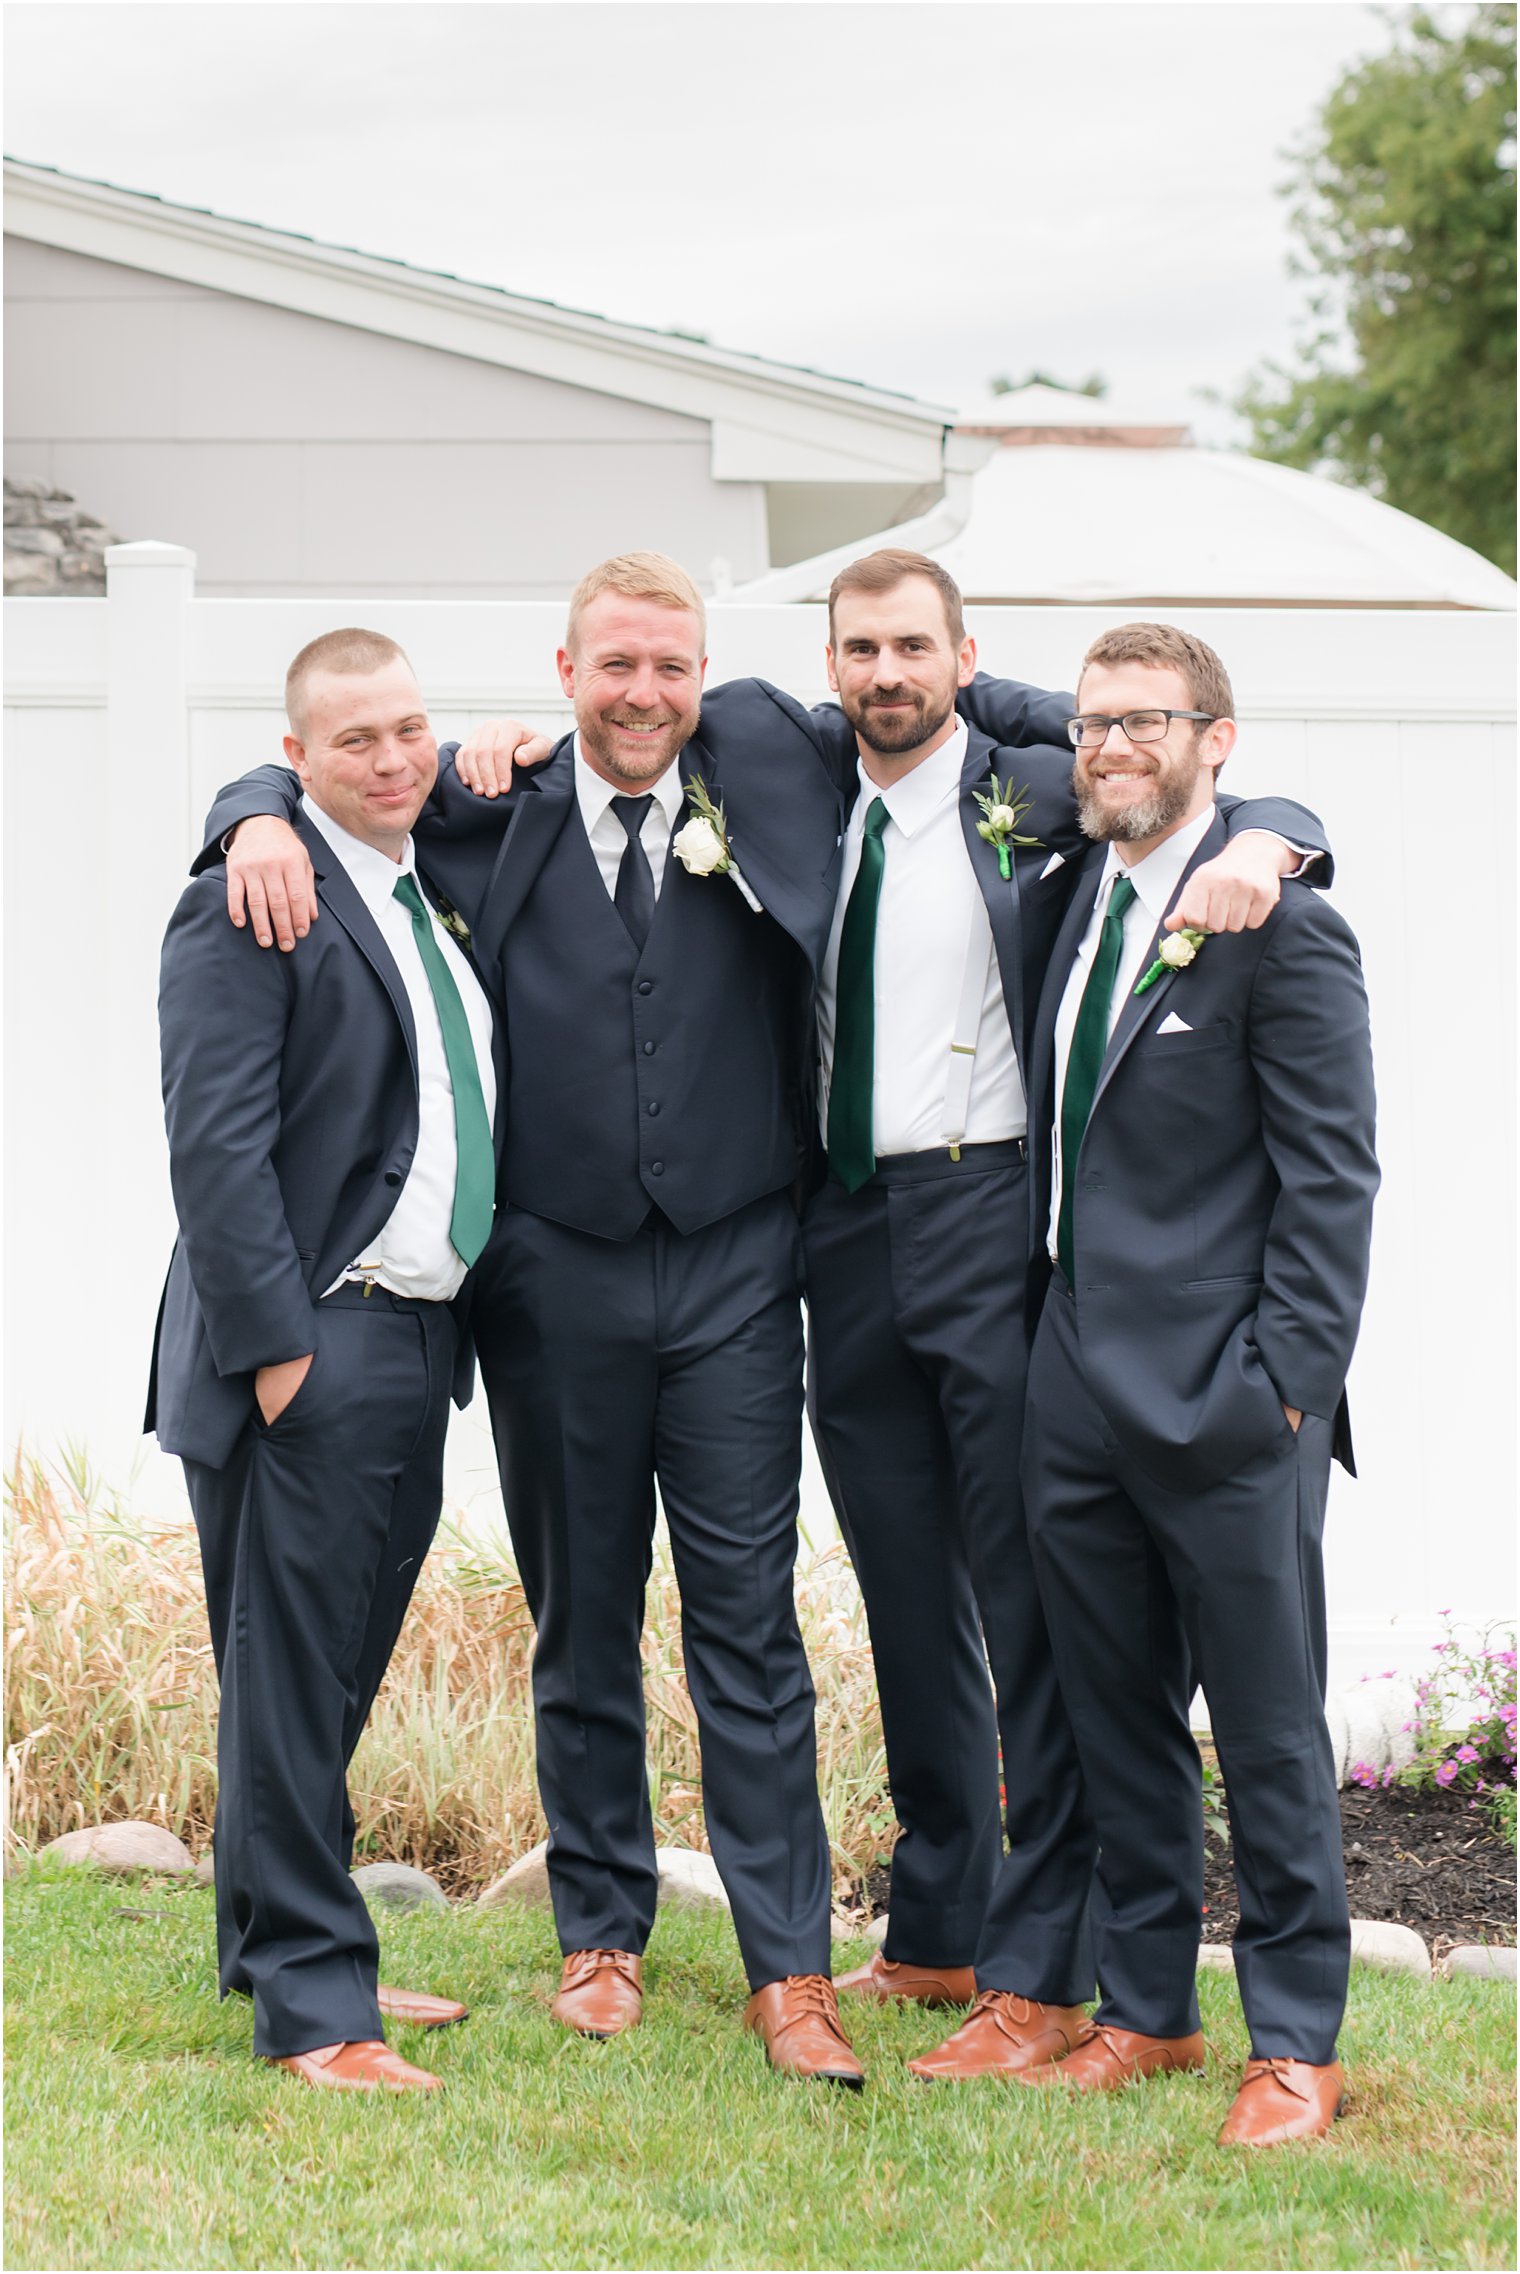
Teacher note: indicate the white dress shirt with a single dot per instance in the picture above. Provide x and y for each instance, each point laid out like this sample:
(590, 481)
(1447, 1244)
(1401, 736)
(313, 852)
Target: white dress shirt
(929, 895)
(609, 839)
(1155, 879)
(413, 1254)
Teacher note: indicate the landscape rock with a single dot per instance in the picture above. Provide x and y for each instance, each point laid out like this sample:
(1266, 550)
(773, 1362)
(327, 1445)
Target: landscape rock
(125, 1847)
(1215, 1958)
(877, 1931)
(399, 1886)
(689, 1881)
(205, 1871)
(1367, 1724)
(526, 1881)
(53, 546)
(1377, 1942)
(1481, 1961)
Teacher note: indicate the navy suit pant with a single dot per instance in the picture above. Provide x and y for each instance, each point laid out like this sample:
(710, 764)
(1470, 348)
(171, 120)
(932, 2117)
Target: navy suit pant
(1142, 1586)
(917, 1353)
(311, 1540)
(609, 1365)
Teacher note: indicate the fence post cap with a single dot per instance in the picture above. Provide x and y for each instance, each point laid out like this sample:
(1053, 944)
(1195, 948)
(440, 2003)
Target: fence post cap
(147, 552)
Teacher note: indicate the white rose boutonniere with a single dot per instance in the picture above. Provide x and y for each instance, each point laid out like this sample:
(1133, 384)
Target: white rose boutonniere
(1176, 953)
(1002, 811)
(701, 844)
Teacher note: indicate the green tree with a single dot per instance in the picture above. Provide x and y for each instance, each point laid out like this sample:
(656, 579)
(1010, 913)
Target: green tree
(1405, 213)
(1096, 385)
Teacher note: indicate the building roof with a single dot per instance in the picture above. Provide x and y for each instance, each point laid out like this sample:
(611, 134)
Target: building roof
(1166, 527)
(770, 421)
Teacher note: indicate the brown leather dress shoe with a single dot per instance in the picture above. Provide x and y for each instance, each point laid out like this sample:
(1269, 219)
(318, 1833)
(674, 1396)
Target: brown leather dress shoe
(416, 2007)
(365, 2064)
(1282, 2100)
(1105, 2059)
(1001, 2035)
(885, 1978)
(798, 2017)
(601, 1992)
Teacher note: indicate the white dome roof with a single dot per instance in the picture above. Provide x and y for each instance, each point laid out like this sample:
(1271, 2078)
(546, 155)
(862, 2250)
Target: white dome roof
(1102, 525)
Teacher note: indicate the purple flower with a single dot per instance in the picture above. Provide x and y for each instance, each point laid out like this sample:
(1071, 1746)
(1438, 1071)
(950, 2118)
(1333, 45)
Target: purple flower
(1467, 1753)
(1446, 1773)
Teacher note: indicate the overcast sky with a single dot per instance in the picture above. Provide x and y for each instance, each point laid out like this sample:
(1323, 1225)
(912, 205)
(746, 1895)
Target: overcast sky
(918, 193)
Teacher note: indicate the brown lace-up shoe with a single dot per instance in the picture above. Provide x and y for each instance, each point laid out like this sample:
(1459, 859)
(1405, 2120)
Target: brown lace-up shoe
(886, 1978)
(1282, 2100)
(365, 2064)
(601, 1992)
(1001, 2035)
(798, 2017)
(417, 2008)
(1104, 2059)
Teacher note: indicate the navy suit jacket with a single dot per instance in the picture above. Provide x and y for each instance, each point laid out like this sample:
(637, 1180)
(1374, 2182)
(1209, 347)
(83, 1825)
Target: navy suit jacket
(290, 1097)
(1223, 1189)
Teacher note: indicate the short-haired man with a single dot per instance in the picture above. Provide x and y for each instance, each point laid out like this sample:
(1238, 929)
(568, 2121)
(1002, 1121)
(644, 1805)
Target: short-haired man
(1205, 1176)
(785, 779)
(331, 1150)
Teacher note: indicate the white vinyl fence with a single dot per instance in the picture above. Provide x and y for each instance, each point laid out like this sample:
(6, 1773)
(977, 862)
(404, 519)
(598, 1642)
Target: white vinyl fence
(124, 714)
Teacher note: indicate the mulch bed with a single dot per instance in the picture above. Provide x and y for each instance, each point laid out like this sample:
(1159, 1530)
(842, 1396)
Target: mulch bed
(1423, 1859)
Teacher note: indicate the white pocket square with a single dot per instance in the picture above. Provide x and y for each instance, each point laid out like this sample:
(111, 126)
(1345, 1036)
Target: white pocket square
(1171, 1024)
(1056, 861)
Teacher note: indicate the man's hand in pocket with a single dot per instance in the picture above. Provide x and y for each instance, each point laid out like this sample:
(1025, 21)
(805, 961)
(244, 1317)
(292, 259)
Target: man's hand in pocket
(275, 1386)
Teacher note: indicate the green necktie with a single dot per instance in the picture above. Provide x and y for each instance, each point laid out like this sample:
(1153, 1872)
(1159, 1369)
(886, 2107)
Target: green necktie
(1089, 1040)
(852, 1088)
(474, 1157)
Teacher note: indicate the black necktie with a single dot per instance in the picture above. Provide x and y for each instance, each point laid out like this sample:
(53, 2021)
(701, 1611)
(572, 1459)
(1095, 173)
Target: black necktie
(634, 897)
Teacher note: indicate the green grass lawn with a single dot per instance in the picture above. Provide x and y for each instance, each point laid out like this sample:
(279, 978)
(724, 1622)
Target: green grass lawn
(140, 2132)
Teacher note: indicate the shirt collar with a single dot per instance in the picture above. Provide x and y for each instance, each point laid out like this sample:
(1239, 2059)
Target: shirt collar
(373, 874)
(911, 800)
(1157, 877)
(594, 794)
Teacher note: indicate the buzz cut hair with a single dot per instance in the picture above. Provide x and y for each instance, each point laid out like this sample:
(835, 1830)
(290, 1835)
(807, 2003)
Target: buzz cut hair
(351, 653)
(885, 570)
(637, 576)
(1169, 649)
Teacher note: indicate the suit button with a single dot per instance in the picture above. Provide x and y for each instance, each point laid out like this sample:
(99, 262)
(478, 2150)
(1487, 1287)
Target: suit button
(646, 986)
(649, 1050)
(393, 1176)
(657, 1168)
(654, 1105)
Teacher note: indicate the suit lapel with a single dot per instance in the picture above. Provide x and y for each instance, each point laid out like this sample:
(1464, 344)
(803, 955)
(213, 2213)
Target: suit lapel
(1138, 1008)
(547, 800)
(802, 910)
(337, 891)
(1062, 956)
(1000, 893)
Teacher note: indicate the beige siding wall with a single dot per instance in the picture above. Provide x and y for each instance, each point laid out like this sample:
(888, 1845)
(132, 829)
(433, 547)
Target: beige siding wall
(297, 456)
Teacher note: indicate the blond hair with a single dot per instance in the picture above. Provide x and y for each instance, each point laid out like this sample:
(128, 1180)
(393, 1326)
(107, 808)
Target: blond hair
(638, 576)
(350, 652)
(1197, 666)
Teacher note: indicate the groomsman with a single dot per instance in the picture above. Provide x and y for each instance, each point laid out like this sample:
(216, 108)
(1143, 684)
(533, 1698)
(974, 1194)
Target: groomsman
(1204, 1176)
(330, 1145)
(786, 777)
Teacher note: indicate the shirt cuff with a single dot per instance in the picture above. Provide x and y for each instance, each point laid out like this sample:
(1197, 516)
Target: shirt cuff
(1307, 854)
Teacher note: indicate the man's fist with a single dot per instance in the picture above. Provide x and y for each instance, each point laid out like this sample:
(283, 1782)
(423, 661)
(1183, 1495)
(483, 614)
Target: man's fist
(1237, 890)
(484, 763)
(270, 881)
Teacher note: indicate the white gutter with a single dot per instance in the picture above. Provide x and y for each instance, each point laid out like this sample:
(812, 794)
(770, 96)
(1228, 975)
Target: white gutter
(965, 456)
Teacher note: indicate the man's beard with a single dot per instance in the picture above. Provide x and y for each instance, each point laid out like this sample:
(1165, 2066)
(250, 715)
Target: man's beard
(892, 735)
(1142, 817)
(623, 765)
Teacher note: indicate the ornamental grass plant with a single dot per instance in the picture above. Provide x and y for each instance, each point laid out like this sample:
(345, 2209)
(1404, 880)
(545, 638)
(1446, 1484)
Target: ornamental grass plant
(111, 1696)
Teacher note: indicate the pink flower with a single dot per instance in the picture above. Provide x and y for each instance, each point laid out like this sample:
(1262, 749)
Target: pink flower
(1446, 1773)
(1467, 1753)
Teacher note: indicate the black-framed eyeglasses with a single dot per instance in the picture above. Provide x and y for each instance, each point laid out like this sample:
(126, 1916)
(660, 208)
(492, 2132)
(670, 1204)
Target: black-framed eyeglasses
(1090, 731)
